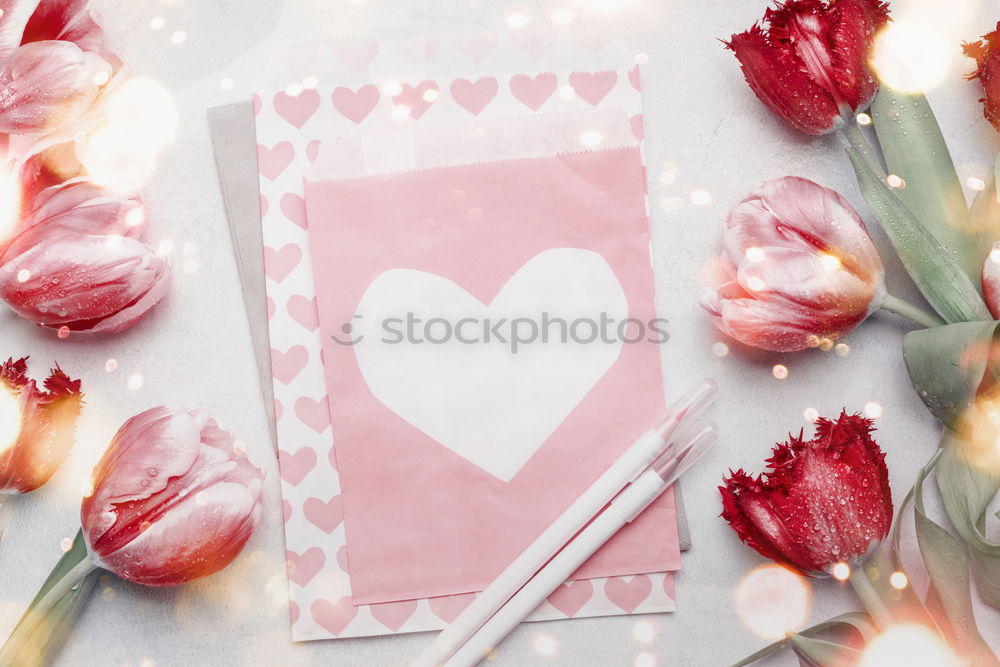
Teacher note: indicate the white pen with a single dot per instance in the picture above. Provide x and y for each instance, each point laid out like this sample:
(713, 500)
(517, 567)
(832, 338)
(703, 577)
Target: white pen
(625, 469)
(623, 509)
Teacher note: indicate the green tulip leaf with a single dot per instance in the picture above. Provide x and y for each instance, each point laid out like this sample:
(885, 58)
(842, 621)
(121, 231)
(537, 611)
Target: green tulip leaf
(947, 365)
(915, 150)
(947, 564)
(968, 477)
(841, 628)
(936, 272)
(823, 653)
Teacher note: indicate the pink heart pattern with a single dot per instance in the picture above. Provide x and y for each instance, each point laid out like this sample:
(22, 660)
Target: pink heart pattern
(286, 366)
(334, 618)
(264, 206)
(286, 510)
(474, 97)
(312, 150)
(628, 595)
(314, 414)
(416, 98)
(342, 559)
(302, 569)
(303, 311)
(638, 129)
(533, 92)
(326, 516)
(279, 263)
(297, 109)
(294, 208)
(271, 162)
(393, 614)
(634, 78)
(593, 86)
(295, 467)
(570, 597)
(448, 607)
(355, 105)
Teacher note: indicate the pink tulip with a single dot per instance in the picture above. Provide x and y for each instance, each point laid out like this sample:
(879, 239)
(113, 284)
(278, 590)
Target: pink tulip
(798, 267)
(36, 426)
(173, 500)
(48, 84)
(75, 263)
(53, 64)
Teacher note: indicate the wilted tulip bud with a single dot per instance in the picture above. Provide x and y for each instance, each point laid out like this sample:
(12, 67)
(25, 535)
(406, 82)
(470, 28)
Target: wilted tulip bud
(173, 500)
(810, 65)
(798, 267)
(824, 501)
(74, 263)
(48, 84)
(36, 426)
(986, 53)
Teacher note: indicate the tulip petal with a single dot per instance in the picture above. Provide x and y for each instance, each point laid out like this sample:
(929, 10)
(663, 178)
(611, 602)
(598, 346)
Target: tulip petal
(991, 285)
(66, 20)
(195, 538)
(796, 212)
(804, 278)
(785, 328)
(855, 25)
(14, 16)
(781, 84)
(47, 84)
(46, 430)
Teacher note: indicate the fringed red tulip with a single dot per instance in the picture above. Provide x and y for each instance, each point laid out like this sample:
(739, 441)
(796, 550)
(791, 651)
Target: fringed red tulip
(797, 267)
(37, 426)
(823, 501)
(173, 499)
(986, 53)
(810, 64)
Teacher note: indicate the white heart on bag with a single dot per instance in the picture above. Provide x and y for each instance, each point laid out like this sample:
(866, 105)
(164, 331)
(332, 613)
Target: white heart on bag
(487, 404)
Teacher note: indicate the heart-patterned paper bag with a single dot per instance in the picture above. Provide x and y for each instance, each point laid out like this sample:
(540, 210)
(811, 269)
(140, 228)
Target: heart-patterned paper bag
(490, 346)
(495, 97)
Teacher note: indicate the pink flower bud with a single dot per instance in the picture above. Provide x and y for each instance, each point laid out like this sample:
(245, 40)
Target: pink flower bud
(797, 266)
(173, 500)
(75, 263)
(44, 85)
(36, 426)
(810, 65)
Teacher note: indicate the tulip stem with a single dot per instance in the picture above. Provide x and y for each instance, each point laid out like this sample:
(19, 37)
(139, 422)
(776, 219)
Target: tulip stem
(909, 311)
(861, 580)
(862, 147)
(23, 637)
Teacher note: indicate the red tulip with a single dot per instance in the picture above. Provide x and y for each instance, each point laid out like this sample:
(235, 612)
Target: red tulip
(53, 64)
(36, 427)
(810, 66)
(987, 56)
(74, 262)
(173, 500)
(824, 501)
(797, 266)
